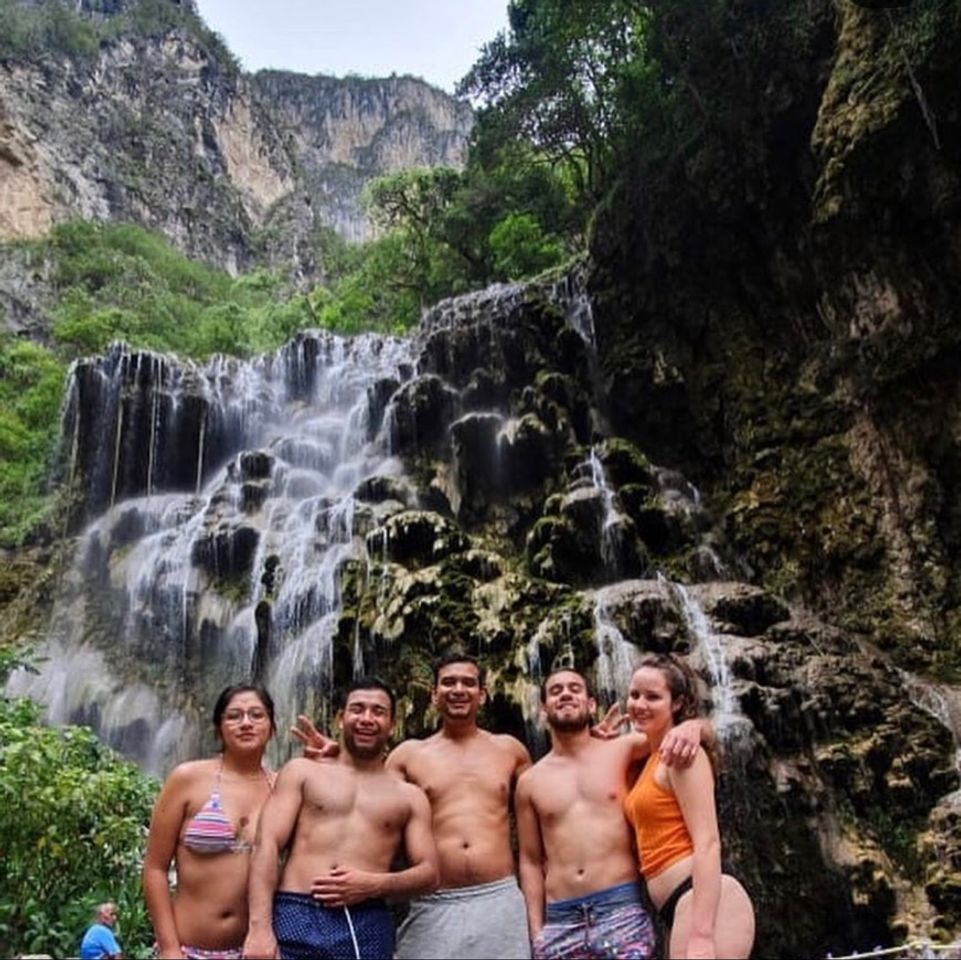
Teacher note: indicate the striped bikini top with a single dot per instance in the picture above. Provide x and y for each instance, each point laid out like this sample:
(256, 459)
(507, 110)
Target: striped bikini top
(210, 830)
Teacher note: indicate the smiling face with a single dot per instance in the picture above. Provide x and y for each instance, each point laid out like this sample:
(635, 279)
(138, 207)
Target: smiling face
(458, 694)
(650, 704)
(568, 705)
(367, 722)
(245, 724)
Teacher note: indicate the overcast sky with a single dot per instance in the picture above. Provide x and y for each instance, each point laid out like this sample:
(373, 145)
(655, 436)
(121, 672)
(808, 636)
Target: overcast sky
(438, 40)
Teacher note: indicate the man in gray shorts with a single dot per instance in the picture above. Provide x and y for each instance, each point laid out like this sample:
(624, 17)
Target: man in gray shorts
(468, 775)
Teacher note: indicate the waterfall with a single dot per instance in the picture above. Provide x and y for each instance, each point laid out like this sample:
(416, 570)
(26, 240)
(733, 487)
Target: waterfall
(229, 485)
(616, 657)
(222, 503)
(611, 532)
(727, 710)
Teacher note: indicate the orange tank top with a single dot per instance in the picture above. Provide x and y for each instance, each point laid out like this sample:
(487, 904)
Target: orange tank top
(654, 813)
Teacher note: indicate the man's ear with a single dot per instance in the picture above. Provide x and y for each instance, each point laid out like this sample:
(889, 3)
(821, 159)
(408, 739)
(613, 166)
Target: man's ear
(482, 699)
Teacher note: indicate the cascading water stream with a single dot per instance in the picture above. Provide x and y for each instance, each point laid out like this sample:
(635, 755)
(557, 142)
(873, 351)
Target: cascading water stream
(164, 594)
(616, 657)
(731, 725)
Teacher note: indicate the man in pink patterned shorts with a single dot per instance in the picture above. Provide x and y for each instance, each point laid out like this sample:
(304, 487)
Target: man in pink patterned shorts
(578, 871)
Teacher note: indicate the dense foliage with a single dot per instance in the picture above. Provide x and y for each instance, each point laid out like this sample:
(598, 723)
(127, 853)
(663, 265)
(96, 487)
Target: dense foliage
(120, 282)
(559, 80)
(31, 387)
(56, 26)
(73, 823)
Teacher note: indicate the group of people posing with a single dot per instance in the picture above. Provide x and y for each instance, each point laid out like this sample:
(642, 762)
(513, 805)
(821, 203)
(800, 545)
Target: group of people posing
(306, 864)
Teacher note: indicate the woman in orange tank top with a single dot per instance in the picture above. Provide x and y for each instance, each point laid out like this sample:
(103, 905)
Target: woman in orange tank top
(674, 817)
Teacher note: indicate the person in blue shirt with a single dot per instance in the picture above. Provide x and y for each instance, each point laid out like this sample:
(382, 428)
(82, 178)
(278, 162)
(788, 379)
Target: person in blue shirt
(99, 941)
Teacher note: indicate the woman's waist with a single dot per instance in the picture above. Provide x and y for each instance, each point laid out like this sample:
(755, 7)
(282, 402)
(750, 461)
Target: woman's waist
(663, 883)
(205, 922)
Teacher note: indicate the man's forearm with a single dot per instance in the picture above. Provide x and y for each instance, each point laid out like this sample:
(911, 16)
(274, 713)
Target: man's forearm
(533, 888)
(411, 882)
(261, 886)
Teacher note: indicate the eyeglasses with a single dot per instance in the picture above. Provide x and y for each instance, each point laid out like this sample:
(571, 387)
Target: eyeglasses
(254, 715)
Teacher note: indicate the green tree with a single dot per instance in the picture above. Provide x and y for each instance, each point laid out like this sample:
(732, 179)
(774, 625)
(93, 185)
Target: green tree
(556, 79)
(31, 389)
(522, 248)
(412, 205)
(73, 821)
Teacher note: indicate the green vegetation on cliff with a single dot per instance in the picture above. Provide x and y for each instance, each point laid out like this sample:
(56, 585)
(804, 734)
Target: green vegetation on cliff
(119, 282)
(31, 387)
(59, 28)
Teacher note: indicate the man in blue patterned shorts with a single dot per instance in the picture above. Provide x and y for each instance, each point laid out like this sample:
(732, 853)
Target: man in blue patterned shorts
(342, 821)
(577, 867)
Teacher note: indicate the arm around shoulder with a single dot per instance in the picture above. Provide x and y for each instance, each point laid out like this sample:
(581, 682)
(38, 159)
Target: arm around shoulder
(399, 757)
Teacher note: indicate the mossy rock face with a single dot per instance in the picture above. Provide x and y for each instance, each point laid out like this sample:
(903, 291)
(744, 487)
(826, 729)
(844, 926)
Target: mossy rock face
(379, 488)
(422, 412)
(625, 463)
(255, 465)
(417, 538)
(740, 608)
(227, 550)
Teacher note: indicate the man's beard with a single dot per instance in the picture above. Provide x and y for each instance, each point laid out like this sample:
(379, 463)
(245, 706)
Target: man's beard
(570, 723)
(365, 752)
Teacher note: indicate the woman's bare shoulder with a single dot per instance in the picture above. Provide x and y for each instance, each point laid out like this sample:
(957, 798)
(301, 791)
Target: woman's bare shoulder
(190, 771)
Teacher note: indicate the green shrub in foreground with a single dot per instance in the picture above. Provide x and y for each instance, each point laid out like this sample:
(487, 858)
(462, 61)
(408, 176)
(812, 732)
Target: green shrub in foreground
(73, 824)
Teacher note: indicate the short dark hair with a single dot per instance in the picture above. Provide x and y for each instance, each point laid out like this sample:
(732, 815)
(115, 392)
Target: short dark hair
(458, 656)
(228, 693)
(557, 670)
(372, 683)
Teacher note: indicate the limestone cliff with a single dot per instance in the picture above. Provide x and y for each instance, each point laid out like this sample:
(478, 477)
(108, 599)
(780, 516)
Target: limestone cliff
(154, 131)
(344, 132)
(161, 129)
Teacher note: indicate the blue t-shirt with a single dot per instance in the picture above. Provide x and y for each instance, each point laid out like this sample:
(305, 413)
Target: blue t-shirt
(99, 942)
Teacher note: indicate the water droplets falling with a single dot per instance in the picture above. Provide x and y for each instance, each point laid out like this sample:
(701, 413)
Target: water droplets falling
(730, 723)
(233, 519)
(616, 657)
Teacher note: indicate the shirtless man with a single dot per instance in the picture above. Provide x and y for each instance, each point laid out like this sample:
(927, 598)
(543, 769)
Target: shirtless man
(468, 775)
(578, 870)
(342, 822)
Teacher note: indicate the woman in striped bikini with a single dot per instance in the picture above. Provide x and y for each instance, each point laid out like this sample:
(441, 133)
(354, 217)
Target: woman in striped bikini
(204, 821)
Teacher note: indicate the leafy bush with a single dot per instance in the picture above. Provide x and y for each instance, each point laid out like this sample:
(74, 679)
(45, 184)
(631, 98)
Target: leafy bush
(521, 247)
(121, 282)
(73, 823)
(31, 391)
